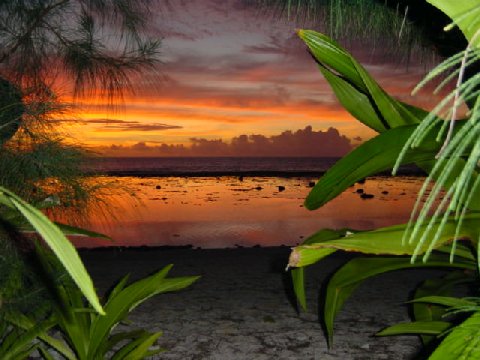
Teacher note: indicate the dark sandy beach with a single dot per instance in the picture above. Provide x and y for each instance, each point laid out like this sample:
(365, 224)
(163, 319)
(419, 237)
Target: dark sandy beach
(241, 307)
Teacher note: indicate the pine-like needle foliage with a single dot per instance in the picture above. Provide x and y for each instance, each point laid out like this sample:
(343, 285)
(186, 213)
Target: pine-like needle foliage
(385, 27)
(97, 44)
(92, 46)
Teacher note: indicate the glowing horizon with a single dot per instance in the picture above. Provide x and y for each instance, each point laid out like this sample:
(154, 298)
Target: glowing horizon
(228, 71)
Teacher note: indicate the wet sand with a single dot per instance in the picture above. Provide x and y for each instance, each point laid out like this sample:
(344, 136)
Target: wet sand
(241, 308)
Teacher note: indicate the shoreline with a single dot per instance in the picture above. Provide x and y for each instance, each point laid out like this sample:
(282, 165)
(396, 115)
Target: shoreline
(403, 171)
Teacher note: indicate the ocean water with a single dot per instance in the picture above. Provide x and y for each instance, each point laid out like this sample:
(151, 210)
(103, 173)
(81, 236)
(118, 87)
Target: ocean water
(226, 202)
(192, 166)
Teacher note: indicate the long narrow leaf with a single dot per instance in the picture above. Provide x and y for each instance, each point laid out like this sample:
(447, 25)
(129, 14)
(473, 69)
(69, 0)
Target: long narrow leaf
(416, 328)
(352, 274)
(373, 156)
(344, 69)
(59, 244)
(383, 241)
(462, 342)
(121, 302)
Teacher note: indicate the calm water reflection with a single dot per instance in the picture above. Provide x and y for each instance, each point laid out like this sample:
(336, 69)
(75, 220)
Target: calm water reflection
(213, 212)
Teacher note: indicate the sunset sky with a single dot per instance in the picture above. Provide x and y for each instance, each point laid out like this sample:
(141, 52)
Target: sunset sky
(226, 70)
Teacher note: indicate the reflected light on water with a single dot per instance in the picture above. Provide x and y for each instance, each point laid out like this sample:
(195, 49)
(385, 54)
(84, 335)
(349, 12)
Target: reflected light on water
(220, 212)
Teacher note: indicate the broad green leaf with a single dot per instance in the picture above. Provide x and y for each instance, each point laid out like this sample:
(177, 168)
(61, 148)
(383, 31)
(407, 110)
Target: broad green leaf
(462, 342)
(464, 13)
(353, 273)
(416, 328)
(373, 156)
(383, 241)
(354, 101)
(343, 69)
(59, 244)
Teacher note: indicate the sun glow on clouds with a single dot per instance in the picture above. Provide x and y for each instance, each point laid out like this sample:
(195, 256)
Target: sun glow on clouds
(226, 70)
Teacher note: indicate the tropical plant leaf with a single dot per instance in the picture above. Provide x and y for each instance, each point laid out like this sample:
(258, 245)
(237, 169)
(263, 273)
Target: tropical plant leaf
(123, 301)
(383, 241)
(377, 154)
(354, 272)
(13, 217)
(59, 244)
(348, 78)
(138, 348)
(416, 328)
(447, 301)
(462, 342)
(440, 287)
(298, 274)
(23, 322)
(298, 279)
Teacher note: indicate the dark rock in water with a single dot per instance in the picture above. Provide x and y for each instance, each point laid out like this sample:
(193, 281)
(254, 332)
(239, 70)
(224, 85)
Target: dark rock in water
(158, 187)
(240, 178)
(281, 188)
(311, 184)
(362, 181)
(403, 193)
(258, 188)
(385, 192)
(366, 196)
(359, 191)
